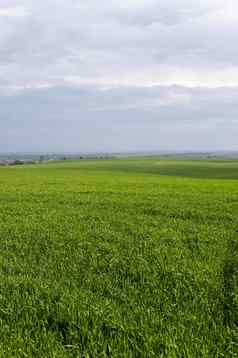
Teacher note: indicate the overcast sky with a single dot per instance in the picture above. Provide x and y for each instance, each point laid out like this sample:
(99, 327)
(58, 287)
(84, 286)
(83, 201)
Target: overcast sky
(118, 75)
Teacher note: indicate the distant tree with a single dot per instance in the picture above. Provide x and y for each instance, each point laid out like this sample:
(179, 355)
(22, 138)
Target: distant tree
(17, 162)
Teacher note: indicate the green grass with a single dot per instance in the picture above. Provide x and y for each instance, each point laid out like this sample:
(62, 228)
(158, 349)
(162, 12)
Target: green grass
(119, 258)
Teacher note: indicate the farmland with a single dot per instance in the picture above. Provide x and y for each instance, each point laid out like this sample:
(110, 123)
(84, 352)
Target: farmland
(119, 258)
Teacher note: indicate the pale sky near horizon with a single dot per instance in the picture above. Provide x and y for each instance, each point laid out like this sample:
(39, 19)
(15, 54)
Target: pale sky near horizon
(118, 76)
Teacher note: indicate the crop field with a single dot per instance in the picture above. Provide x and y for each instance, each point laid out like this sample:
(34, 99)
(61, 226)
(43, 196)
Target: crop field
(119, 258)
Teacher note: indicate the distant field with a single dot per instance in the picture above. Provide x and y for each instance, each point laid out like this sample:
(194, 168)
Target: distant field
(214, 169)
(119, 258)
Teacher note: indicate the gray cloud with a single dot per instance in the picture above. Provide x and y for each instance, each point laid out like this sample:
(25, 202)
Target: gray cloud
(109, 75)
(133, 118)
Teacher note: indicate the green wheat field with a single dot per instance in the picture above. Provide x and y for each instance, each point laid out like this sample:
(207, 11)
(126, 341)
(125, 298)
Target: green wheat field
(119, 258)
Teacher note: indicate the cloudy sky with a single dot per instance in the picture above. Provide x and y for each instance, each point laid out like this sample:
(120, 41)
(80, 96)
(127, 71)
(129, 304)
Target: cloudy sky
(89, 75)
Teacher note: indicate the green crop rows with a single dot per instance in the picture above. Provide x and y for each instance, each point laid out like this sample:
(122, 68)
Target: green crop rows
(119, 258)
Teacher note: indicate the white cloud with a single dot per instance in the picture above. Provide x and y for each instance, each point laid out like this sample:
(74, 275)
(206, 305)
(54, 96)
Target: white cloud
(130, 43)
(15, 12)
